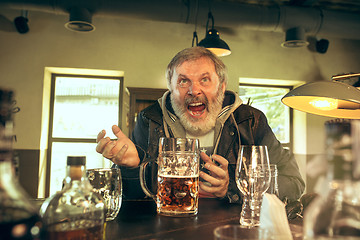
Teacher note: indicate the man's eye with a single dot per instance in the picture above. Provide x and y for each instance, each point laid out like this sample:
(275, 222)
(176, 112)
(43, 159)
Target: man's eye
(184, 82)
(205, 80)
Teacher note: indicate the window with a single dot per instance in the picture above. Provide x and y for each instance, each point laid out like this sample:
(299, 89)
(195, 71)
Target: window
(268, 99)
(80, 107)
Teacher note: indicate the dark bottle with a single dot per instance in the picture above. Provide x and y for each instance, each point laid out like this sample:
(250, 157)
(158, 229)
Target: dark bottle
(76, 212)
(18, 218)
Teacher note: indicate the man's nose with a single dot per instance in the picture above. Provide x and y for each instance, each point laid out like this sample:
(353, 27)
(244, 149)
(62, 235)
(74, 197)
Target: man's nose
(194, 89)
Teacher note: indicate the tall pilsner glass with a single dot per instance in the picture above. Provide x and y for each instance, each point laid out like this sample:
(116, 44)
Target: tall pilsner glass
(253, 179)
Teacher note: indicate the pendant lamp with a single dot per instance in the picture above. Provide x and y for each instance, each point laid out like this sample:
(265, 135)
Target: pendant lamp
(326, 98)
(212, 40)
(80, 20)
(295, 37)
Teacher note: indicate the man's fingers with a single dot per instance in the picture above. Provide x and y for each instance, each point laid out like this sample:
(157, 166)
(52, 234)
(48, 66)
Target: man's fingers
(220, 170)
(117, 131)
(107, 152)
(100, 135)
(121, 151)
(208, 188)
(223, 163)
(205, 157)
(217, 191)
(120, 155)
(217, 181)
(210, 179)
(101, 144)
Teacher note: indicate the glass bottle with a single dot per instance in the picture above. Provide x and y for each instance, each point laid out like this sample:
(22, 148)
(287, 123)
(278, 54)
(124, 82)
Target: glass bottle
(18, 218)
(336, 214)
(75, 212)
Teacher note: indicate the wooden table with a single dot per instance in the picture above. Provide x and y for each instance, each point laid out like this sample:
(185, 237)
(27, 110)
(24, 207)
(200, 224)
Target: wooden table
(139, 220)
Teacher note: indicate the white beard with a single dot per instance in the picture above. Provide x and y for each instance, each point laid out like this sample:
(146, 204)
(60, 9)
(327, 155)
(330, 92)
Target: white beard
(199, 127)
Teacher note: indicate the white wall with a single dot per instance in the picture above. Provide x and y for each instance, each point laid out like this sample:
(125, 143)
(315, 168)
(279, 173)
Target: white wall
(142, 50)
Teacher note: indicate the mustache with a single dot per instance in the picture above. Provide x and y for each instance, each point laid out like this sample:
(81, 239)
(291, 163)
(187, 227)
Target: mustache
(192, 99)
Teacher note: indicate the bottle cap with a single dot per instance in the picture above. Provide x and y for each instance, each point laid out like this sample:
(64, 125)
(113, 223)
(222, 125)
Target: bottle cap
(76, 160)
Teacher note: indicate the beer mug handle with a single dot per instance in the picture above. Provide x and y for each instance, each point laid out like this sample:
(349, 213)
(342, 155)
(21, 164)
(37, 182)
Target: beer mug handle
(143, 180)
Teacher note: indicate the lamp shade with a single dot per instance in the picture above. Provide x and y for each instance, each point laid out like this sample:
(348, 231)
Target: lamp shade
(80, 20)
(325, 98)
(295, 37)
(213, 42)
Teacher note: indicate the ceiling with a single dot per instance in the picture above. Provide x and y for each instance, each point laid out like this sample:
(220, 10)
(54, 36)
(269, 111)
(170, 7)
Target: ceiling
(336, 5)
(331, 18)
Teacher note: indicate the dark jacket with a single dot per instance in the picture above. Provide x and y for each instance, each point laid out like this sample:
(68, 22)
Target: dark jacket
(245, 124)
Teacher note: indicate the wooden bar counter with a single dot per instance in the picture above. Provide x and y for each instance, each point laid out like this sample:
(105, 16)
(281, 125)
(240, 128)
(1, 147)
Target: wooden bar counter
(139, 220)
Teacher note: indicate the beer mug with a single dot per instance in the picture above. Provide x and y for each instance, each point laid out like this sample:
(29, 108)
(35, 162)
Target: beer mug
(107, 182)
(177, 192)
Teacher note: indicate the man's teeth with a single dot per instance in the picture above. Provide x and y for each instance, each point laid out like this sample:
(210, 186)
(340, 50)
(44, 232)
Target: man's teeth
(195, 104)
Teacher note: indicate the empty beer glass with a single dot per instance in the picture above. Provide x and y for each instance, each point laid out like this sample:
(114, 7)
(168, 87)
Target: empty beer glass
(273, 187)
(252, 177)
(107, 182)
(177, 177)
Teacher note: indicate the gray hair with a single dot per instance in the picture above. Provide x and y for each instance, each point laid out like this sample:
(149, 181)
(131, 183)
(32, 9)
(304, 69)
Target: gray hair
(195, 53)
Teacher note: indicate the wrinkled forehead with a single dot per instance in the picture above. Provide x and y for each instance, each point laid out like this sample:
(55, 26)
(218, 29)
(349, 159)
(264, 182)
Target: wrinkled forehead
(195, 67)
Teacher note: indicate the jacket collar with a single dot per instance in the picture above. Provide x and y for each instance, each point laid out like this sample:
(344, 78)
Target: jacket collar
(231, 102)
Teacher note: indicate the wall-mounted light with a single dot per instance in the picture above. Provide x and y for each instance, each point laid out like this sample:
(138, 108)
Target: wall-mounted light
(21, 22)
(80, 20)
(294, 38)
(322, 45)
(326, 98)
(212, 40)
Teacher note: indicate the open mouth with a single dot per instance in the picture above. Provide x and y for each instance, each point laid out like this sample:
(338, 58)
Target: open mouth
(197, 108)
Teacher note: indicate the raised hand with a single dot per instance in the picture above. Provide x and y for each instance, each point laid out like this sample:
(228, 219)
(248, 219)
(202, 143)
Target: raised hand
(121, 151)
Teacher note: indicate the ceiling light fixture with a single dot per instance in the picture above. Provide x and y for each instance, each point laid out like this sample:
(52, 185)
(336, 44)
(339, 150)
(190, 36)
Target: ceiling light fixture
(326, 98)
(294, 38)
(212, 40)
(80, 20)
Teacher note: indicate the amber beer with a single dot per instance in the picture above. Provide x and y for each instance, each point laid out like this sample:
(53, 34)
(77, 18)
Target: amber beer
(178, 195)
(62, 231)
(177, 178)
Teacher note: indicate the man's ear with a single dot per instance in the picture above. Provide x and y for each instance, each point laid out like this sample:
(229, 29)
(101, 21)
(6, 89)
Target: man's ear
(223, 87)
(168, 85)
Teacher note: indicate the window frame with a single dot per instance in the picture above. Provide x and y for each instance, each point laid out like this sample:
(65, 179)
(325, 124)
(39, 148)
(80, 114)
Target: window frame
(291, 118)
(51, 140)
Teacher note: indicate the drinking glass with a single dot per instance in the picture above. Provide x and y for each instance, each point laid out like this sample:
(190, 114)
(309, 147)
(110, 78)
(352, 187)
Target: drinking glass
(177, 178)
(252, 177)
(273, 187)
(107, 182)
(239, 232)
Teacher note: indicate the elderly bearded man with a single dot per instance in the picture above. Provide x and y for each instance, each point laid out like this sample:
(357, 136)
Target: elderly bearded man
(197, 105)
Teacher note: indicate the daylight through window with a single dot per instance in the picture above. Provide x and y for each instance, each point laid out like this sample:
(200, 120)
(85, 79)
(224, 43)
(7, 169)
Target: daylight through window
(81, 107)
(268, 100)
